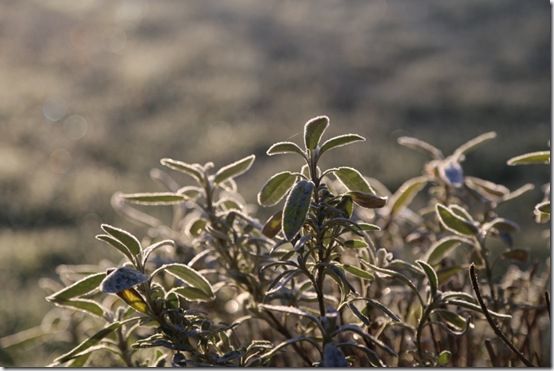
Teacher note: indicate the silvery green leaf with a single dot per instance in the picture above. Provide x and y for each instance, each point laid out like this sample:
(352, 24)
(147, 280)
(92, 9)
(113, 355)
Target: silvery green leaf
(273, 225)
(313, 130)
(276, 188)
(358, 272)
(192, 294)
(540, 157)
(116, 244)
(340, 141)
(122, 278)
(81, 287)
(455, 223)
(150, 249)
(444, 358)
(155, 198)
(543, 207)
(296, 208)
(188, 275)
(406, 193)
(235, 169)
(367, 200)
(124, 237)
(285, 147)
(353, 180)
(471, 144)
(183, 168)
(431, 276)
(83, 305)
(461, 212)
(441, 248)
(418, 144)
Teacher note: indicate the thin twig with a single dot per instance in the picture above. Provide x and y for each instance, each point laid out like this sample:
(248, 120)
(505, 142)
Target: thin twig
(490, 350)
(492, 322)
(547, 299)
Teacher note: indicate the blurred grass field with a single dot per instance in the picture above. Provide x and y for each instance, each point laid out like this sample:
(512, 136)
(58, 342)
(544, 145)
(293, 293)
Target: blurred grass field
(96, 92)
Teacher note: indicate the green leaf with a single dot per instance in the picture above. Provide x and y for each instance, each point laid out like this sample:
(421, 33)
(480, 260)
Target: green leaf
(406, 193)
(122, 278)
(285, 147)
(369, 227)
(444, 358)
(541, 157)
(543, 207)
(291, 310)
(501, 225)
(441, 248)
(367, 200)
(235, 169)
(355, 244)
(339, 141)
(273, 225)
(22, 338)
(192, 294)
(91, 341)
(188, 275)
(487, 188)
(358, 272)
(157, 198)
(353, 180)
(471, 144)
(453, 321)
(455, 223)
(461, 212)
(133, 299)
(296, 208)
(117, 245)
(81, 287)
(431, 276)
(124, 237)
(313, 130)
(276, 188)
(418, 144)
(83, 305)
(476, 308)
(183, 168)
(150, 249)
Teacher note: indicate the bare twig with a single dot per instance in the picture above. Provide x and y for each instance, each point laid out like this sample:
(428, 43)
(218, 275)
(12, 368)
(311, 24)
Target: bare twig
(492, 322)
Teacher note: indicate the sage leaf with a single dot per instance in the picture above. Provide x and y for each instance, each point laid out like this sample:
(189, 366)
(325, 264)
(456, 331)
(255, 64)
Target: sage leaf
(285, 147)
(353, 180)
(235, 169)
(455, 223)
(340, 141)
(406, 193)
(273, 225)
(276, 188)
(441, 248)
(540, 158)
(296, 208)
(122, 278)
(183, 168)
(124, 237)
(431, 276)
(313, 130)
(189, 276)
(418, 144)
(81, 287)
(155, 198)
(367, 200)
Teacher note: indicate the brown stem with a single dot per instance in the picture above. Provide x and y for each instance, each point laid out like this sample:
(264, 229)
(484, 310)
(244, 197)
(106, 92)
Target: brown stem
(492, 322)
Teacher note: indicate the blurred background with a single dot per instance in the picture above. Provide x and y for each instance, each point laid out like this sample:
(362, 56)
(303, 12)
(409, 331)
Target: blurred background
(94, 93)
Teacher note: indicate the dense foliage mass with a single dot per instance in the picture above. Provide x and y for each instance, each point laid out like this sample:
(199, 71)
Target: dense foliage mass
(344, 273)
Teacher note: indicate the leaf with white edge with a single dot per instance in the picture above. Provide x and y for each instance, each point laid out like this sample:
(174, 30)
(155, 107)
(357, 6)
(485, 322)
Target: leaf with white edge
(187, 275)
(455, 223)
(475, 307)
(418, 144)
(444, 358)
(192, 294)
(313, 130)
(340, 141)
(150, 249)
(453, 321)
(91, 341)
(543, 207)
(353, 180)
(81, 287)
(369, 227)
(518, 192)
(235, 169)
(155, 198)
(122, 278)
(119, 246)
(358, 272)
(196, 227)
(83, 305)
(355, 244)
(443, 247)
(124, 237)
(183, 168)
(533, 158)
(283, 148)
(461, 212)
(471, 144)
(296, 208)
(276, 188)
(273, 225)
(486, 187)
(431, 276)
(367, 200)
(501, 225)
(406, 193)
(133, 299)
